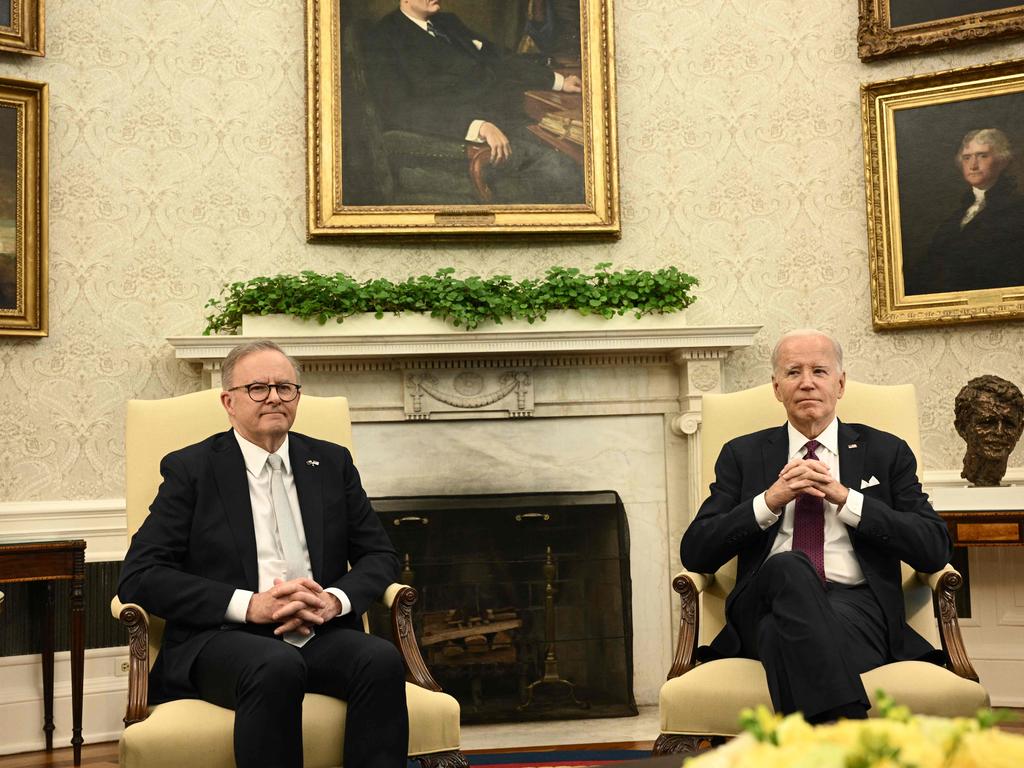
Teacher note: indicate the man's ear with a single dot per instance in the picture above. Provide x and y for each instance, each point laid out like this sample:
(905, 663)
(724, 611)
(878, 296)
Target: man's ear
(227, 401)
(842, 385)
(775, 388)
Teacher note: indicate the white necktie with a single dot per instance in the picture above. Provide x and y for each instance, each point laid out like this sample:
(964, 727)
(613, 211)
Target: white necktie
(287, 536)
(973, 211)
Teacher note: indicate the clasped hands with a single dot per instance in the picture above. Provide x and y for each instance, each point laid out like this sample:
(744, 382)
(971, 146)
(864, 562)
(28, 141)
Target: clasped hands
(297, 605)
(805, 476)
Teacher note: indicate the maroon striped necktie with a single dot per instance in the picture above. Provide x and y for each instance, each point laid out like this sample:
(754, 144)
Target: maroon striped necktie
(809, 523)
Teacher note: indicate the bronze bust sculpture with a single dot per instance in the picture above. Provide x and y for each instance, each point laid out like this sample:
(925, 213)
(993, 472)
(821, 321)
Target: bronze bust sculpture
(989, 416)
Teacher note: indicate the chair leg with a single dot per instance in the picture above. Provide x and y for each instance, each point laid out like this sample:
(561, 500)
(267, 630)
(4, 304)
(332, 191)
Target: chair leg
(453, 759)
(677, 744)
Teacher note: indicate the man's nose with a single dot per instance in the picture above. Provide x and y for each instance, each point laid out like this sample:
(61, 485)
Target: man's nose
(273, 396)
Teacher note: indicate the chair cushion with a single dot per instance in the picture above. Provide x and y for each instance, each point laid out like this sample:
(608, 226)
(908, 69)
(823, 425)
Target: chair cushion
(927, 689)
(707, 700)
(189, 732)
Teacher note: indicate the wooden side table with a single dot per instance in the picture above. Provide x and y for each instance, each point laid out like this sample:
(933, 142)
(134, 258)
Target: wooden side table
(982, 517)
(51, 561)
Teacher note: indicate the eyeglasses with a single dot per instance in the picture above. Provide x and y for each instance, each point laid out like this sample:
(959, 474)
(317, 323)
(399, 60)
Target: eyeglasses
(259, 391)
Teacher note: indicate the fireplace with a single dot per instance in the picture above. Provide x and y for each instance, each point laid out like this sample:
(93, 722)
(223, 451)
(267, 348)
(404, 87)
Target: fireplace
(525, 600)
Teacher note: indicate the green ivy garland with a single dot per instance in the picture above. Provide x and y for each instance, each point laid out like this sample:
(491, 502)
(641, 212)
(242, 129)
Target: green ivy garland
(465, 302)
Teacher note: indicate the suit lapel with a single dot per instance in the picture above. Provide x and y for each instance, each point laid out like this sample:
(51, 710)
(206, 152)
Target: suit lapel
(233, 487)
(774, 455)
(852, 451)
(309, 487)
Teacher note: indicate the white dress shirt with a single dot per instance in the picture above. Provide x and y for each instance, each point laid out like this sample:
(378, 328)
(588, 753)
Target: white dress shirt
(975, 207)
(268, 554)
(840, 561)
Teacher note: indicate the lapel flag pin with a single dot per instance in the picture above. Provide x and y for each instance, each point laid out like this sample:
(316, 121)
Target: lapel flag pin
(312, 463)
(852, 445)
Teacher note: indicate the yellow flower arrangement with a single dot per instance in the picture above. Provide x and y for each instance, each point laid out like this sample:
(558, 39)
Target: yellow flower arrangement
(895, 740)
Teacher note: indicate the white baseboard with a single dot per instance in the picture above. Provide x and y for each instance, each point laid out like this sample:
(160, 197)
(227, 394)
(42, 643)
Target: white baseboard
(105, 692)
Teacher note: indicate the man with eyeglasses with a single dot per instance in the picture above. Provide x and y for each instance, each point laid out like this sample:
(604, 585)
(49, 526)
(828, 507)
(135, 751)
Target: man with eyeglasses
(246, 554)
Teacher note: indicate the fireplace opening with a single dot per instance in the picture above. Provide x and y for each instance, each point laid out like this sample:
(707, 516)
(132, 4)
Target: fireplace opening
(525, 600)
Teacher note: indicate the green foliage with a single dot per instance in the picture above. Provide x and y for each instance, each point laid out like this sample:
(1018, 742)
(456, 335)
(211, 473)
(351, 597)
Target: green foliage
(465, 302)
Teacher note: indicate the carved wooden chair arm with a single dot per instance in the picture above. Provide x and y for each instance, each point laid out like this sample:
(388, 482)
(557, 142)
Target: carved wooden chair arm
(479, 157)
(689, 586)
(401, 598)
(135, 618)
(944, 584)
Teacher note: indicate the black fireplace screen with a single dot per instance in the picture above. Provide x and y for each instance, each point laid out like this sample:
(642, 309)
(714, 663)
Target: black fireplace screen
(525, 601)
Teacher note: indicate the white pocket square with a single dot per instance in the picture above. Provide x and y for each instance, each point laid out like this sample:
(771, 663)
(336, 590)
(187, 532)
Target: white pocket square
(868, 483)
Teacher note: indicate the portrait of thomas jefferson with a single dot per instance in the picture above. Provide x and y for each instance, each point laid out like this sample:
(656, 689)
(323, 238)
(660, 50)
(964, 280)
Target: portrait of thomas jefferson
(980, 243)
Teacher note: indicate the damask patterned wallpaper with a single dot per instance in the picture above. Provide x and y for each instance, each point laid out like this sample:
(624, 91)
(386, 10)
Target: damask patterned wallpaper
(177, 162)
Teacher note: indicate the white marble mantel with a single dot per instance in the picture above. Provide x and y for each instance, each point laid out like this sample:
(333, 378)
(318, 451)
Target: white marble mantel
(603, 406)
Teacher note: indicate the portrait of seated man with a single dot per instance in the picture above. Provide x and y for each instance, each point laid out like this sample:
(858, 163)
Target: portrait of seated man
(431, 73)
(979, 245)
(819, 514)
(989, 417)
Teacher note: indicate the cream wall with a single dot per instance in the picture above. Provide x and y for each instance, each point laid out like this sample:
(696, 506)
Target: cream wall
(177, 157)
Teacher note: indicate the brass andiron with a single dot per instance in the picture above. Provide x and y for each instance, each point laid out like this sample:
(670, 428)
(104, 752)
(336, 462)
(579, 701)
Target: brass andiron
(551, 676)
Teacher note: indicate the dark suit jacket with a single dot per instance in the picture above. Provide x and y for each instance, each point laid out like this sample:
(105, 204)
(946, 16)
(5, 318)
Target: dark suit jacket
(897, 522)
(426, 85)
(198, 544)
(987, 253)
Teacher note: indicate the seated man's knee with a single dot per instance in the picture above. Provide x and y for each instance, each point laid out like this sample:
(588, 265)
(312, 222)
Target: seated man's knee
(786, 566)
(282, 667)
(382, 661)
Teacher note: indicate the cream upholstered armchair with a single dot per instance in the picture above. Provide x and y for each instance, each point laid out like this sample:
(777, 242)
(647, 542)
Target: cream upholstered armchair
(700, 703)
(192, 732)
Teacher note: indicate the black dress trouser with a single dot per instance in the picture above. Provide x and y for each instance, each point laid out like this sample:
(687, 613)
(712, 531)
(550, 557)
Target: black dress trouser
(264, 679)
(813, 639)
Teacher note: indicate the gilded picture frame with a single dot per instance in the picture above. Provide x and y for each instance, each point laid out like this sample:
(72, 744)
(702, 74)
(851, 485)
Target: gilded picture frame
(22, 26)
(384, 161)
(893, 27)
(23, 208)
(944, 154)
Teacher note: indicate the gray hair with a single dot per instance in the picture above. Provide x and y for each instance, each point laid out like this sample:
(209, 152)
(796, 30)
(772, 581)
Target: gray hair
(801, 332)
(1002, 150)
(227, 368)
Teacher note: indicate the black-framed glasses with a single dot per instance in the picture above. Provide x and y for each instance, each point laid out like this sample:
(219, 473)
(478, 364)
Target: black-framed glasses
(259, 391)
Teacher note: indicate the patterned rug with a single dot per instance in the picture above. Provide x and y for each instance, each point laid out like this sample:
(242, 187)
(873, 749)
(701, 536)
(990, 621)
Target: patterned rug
(564, 758)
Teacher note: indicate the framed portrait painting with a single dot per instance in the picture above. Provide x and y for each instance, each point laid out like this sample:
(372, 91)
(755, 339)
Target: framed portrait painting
(23, 206)
(21, 26)
(461, 117)
(945, 205)
(892, 27)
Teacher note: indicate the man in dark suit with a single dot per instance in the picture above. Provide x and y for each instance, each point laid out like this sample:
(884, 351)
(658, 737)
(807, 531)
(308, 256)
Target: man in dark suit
(246, 527)
(430, 73)
(981, 244)
(819, 514)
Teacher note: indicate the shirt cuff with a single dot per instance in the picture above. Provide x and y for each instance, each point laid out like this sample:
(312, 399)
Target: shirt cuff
(763, 514)
(346, 604)
(473, 134)
(238, 606)
(850, 513)
(559, 82)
